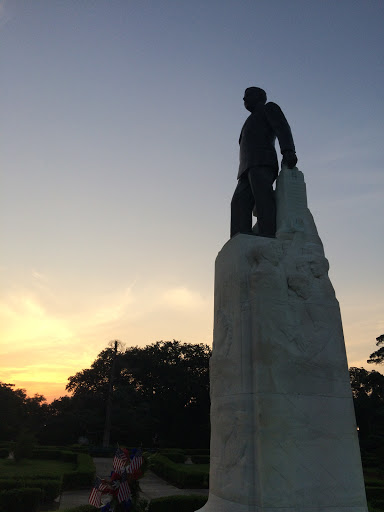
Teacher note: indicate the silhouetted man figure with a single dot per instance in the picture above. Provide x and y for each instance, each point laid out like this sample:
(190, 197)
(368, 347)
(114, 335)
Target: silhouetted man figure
(259, 167)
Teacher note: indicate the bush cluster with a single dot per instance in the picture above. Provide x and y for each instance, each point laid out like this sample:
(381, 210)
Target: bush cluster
(51, 488)
(184, 476)
(177, 503)
(177, 456)
(21, 500)
(200, 459)
(82, 476)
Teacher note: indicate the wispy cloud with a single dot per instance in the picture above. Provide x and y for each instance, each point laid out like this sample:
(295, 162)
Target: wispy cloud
(181, 298)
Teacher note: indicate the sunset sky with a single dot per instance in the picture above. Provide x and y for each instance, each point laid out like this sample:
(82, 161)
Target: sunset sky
(120, 122)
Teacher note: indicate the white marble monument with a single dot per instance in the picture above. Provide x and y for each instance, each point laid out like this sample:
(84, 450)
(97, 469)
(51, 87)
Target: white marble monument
(284, 435)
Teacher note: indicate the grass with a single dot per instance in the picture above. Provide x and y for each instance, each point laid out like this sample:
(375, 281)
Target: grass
(34, 467)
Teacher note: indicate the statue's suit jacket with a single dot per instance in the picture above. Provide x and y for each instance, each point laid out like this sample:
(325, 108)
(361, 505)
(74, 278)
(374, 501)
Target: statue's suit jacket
(258, 136)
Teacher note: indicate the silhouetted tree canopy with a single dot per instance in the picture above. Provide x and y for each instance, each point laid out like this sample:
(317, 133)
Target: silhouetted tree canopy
(378, 356)
(160, 389)
(368, 395)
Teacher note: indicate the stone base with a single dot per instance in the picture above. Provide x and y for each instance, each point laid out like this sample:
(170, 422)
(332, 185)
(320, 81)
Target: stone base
(216, 504)
(283, 428)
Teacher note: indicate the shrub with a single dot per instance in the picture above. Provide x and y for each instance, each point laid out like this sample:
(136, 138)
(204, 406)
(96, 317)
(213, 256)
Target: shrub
(83, 475)
(20, 500)
(81, 508)
(51, 488)
(177, 503)
(23, 447)
(200, 459)
(174, 456)
(184, 476)
(197, 451)
(4, 452)
(46, 454)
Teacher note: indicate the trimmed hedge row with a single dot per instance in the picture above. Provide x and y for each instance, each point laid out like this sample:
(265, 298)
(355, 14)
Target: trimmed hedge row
(54, 454)
(174, 456)
(200, 459)
(375, 497)
(83, 475)
(197, 451)
(184, 476)
(188, 503)
(51, 488)
(21, 500)
(81, 508)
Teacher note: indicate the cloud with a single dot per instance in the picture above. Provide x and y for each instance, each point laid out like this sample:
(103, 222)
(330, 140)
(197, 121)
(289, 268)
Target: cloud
(182, 299)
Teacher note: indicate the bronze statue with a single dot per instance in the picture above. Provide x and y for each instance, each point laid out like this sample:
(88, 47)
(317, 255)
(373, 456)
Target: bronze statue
(259, 167)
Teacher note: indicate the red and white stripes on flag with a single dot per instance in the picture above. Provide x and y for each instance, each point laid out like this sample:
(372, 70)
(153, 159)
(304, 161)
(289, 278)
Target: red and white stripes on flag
(95, 496)
(120, 460)
(136, 463)
(124, 490)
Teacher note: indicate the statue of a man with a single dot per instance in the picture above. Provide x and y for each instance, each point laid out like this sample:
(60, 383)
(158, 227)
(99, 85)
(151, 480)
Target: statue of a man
(258, 164)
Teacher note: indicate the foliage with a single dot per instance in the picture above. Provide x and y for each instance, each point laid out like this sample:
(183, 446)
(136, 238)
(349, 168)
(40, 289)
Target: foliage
(23, 447)
(83, 475)
(33, 468)
(368, 394)
(20, 500)
(51, 488)
(177, 503)
(19, 413)
(81, 508)
(160, 389)
(377, 357)
(180, 475)
(174, 456)
(200, 459)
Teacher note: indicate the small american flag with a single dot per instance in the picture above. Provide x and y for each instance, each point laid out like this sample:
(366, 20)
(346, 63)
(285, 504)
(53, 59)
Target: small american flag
(136, 463)
(124, 490)
(95, 496)
(119, 461)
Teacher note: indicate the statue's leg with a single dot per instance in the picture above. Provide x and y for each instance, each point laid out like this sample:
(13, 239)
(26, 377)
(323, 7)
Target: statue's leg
(241, 208)
(261, 180)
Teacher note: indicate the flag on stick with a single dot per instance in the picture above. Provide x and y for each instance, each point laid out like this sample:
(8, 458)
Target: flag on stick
(120, 460)
(95, 496)
(124, 490)
(136, 463)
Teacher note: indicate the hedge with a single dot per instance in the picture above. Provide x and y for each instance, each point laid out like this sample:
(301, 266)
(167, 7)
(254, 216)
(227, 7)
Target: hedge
(84, 474)
(177, 503)
(197, 451)
(54, 454)
(81, 508)
(21, 500)
(184, 476)
(174, 456)
(51, 488)
(375, 493)
(200, 459)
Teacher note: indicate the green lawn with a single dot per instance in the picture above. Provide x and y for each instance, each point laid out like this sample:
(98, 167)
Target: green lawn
(34, 467)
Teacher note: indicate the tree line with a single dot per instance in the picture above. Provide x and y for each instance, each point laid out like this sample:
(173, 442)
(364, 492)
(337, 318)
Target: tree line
(156, 394)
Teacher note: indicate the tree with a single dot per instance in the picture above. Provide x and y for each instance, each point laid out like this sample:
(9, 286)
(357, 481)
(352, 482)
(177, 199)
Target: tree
(368, 399)
(20, 413)
(161, 389)
(378, 356)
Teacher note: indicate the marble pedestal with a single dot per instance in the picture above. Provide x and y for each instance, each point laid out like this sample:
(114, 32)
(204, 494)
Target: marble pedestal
(284, 435)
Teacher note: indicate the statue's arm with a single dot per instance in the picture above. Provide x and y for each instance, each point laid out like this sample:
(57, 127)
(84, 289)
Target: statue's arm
(283, 132)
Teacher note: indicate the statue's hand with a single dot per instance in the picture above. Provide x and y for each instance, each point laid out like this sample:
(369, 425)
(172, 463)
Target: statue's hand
(289, 159)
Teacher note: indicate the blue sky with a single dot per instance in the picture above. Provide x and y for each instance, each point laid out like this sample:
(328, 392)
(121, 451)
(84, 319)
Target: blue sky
(120, 121)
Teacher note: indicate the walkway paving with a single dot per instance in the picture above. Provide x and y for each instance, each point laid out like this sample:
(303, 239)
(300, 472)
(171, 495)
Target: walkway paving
(151, 486)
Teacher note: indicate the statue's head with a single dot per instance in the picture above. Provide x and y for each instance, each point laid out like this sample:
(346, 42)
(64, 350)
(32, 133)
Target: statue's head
(254, 96)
